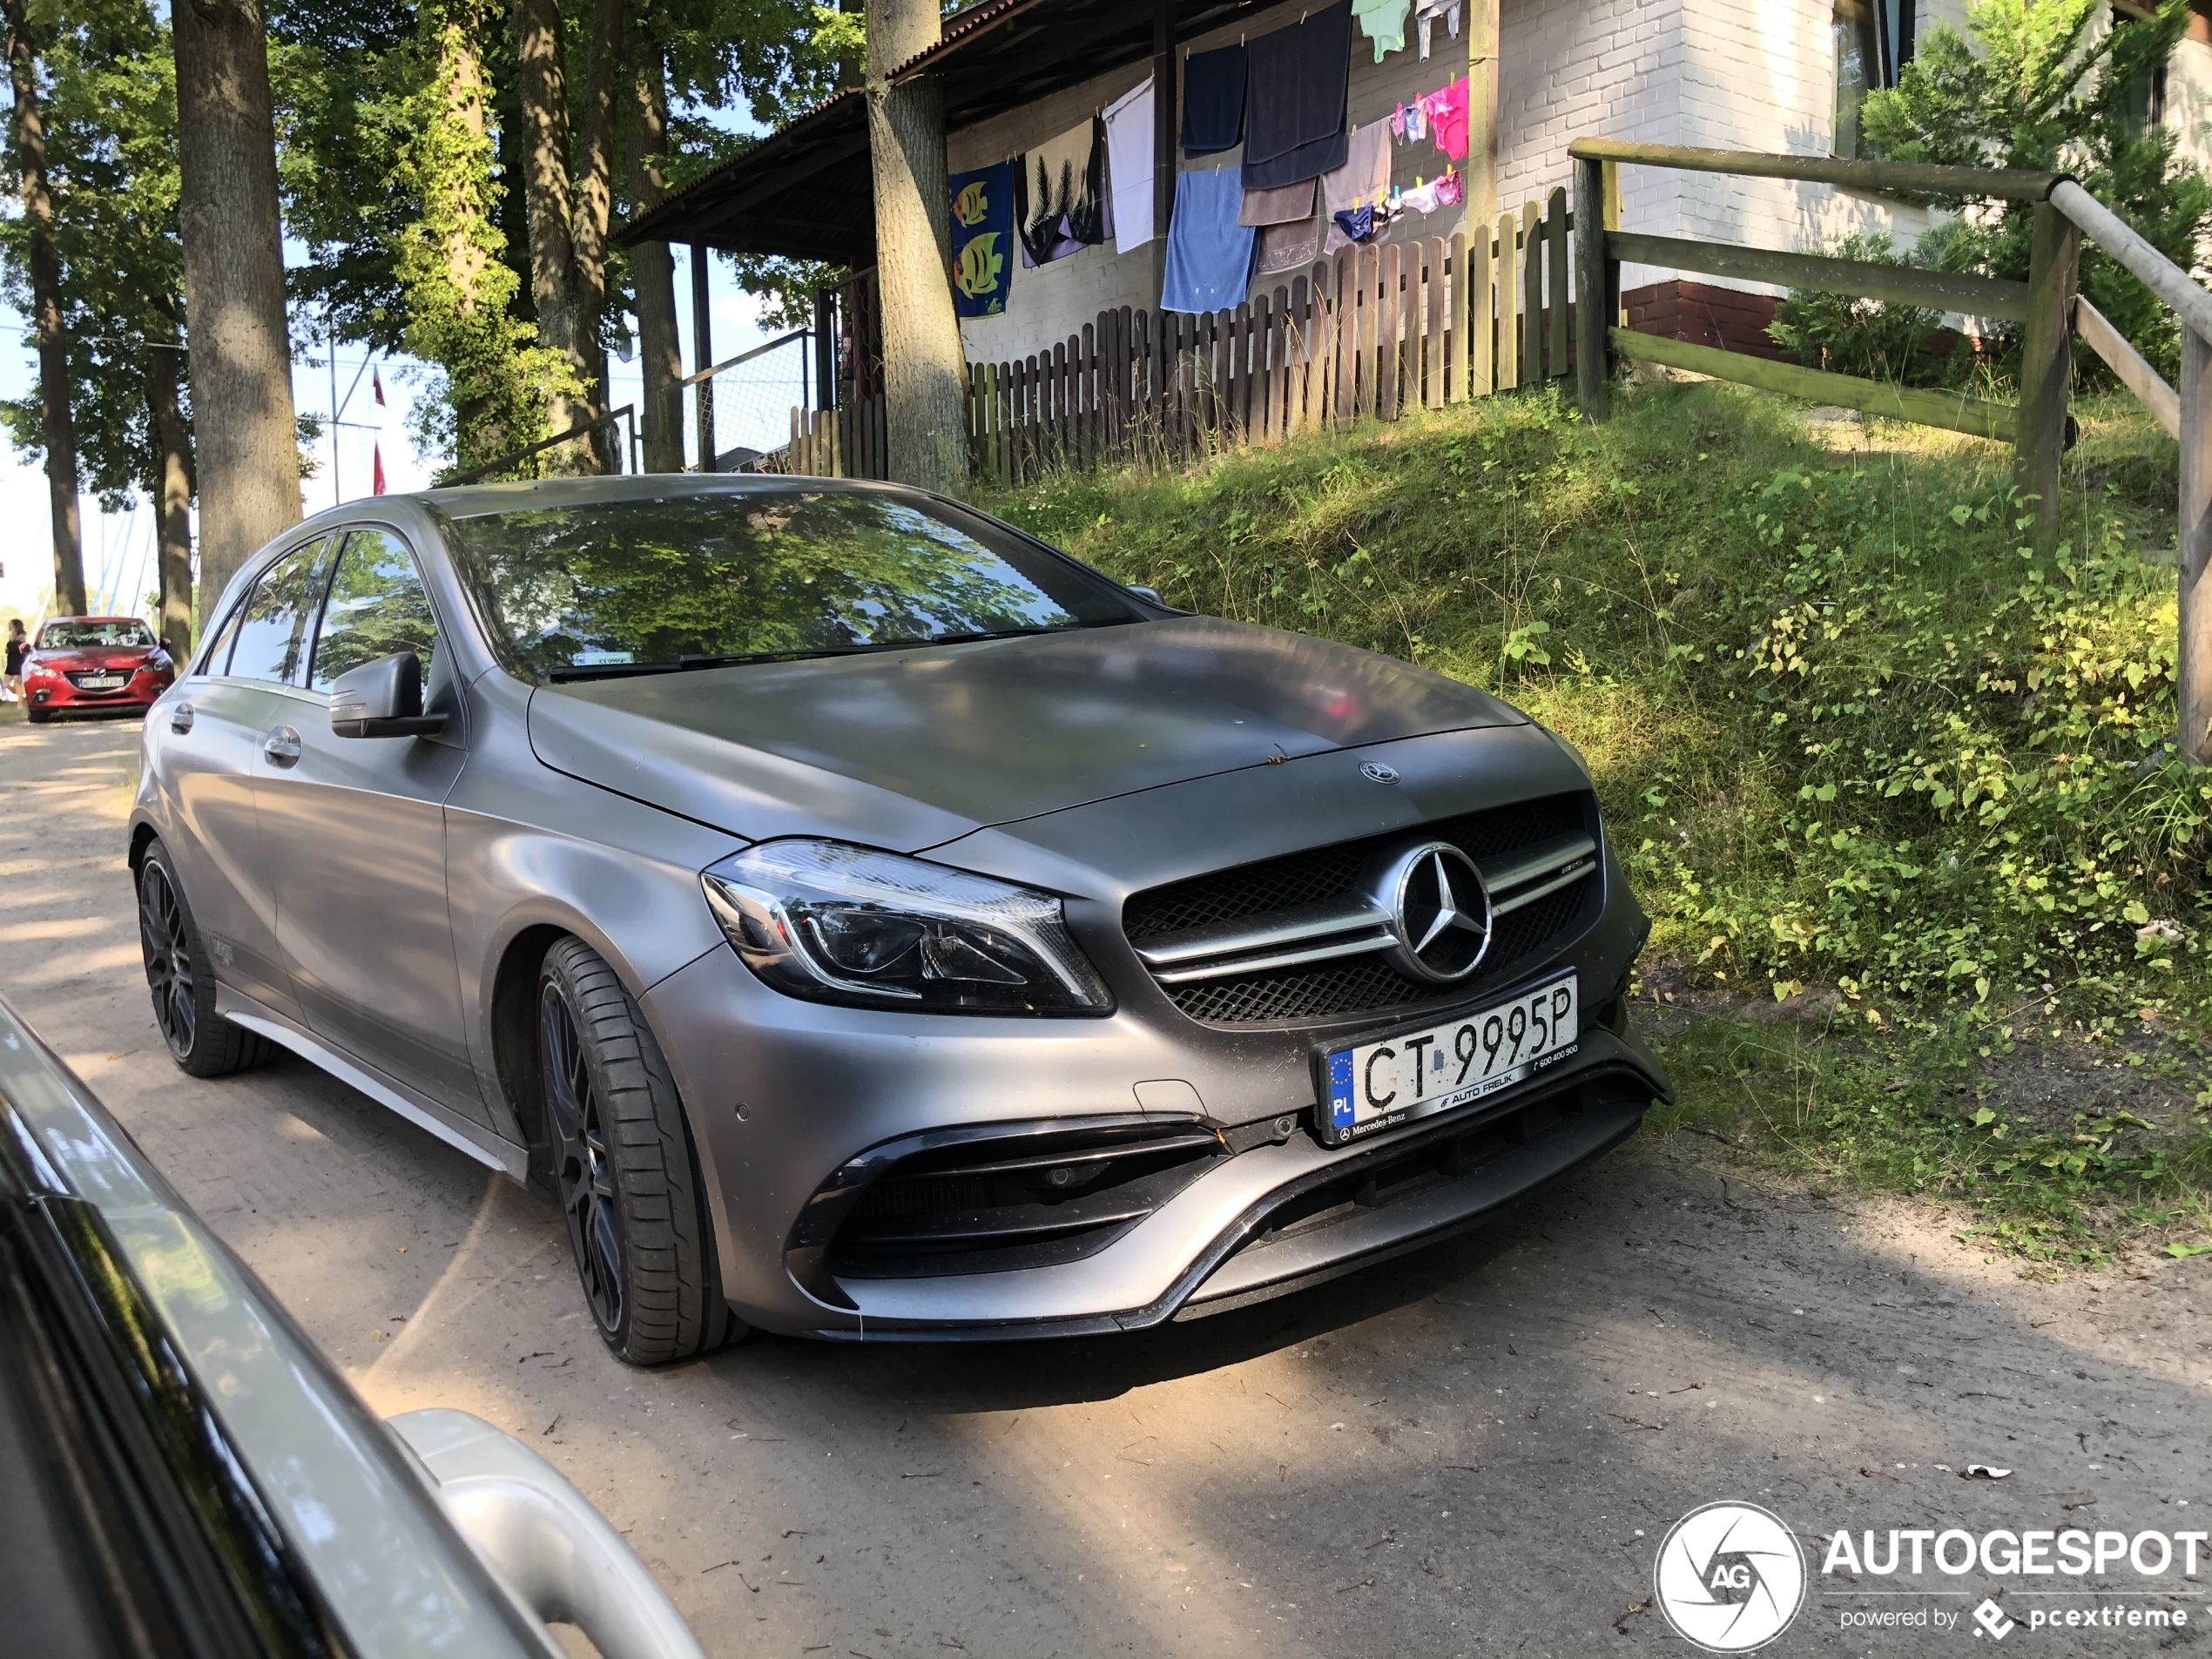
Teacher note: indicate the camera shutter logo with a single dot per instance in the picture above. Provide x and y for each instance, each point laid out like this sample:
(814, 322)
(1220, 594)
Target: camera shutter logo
(1729, 1577)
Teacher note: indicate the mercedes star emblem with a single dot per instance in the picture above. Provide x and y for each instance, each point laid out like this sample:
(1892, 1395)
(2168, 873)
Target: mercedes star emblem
(1375, 772)
(1440, 912)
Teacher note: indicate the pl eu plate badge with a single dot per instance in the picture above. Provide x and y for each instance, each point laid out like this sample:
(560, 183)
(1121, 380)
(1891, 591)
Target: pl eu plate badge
(1342, 1110)
(982, 215)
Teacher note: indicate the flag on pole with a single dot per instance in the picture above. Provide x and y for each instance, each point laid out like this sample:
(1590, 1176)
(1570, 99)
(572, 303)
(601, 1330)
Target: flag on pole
(376, 473)
(377, 385)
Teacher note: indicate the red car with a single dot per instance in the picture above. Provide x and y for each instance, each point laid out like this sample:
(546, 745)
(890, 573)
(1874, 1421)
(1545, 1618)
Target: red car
(85, 663)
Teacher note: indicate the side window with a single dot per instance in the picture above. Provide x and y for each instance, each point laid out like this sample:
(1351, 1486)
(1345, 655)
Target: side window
(271, 627)
(216, 659)
(376, 607)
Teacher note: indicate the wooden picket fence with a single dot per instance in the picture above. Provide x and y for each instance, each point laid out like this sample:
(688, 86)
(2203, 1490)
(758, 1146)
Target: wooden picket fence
(1370, 334)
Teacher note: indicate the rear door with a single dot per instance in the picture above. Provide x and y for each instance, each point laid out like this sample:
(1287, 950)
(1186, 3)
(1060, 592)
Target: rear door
(243, 692)
(354, 832)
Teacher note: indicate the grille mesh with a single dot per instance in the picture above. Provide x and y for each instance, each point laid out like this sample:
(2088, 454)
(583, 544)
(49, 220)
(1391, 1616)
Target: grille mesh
(1362, 984)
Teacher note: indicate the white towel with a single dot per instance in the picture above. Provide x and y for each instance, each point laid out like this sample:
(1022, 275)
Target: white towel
(1128, 165)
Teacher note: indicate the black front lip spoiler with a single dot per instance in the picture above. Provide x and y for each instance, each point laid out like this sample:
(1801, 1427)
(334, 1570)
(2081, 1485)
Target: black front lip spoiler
(1602, 1105)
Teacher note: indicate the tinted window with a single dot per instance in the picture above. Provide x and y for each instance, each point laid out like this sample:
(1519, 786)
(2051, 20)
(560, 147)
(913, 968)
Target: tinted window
(376, 607)
(269, 633)
(79, 636)
(611, 587)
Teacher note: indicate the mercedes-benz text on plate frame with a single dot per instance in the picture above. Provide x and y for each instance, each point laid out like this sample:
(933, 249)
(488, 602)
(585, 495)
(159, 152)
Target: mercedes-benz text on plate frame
(1418, 1074)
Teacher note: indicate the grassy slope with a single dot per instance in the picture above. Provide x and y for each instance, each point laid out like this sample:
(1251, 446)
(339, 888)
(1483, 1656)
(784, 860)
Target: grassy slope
(1863, 751)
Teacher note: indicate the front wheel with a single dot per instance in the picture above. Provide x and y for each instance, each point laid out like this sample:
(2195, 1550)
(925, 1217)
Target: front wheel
(623, 1165)
(35, 715)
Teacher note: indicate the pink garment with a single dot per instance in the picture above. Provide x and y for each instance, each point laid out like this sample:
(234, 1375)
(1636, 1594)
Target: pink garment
(1449, 190)
(1447, 117)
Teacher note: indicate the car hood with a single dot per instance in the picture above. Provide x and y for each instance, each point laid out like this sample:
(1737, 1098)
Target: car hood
(76, 662)
(910, 748)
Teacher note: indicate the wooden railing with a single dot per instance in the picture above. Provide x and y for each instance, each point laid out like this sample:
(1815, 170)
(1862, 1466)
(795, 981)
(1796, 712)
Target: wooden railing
(2036, 427)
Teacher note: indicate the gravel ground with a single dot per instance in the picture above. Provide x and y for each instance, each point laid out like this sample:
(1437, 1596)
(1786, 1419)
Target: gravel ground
(1473, 1450)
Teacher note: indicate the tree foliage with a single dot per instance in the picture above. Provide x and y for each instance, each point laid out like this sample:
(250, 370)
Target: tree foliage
(2037, 87)
(109, 89)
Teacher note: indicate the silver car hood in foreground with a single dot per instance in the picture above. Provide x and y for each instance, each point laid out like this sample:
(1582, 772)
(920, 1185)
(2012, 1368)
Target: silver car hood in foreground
(912, 747)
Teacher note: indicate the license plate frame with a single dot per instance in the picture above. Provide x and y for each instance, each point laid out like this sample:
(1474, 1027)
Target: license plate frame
(108, 681)
(1341, 1088)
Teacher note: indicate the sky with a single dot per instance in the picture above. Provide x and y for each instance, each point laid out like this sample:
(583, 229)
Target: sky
(753, 410)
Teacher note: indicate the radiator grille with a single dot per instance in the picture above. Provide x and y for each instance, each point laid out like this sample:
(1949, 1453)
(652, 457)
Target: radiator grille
(1364, 984)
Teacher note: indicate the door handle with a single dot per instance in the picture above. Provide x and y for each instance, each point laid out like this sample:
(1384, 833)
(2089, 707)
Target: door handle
(282, 747)
(180, 718)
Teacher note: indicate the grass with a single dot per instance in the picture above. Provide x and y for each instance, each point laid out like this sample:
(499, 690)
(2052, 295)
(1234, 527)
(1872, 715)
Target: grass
(1853, 733)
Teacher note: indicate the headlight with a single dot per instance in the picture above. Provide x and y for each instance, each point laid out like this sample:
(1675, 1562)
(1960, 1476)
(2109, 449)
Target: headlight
(835, 923)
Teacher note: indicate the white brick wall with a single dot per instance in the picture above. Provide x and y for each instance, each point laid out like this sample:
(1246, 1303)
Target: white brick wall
(1731, 74)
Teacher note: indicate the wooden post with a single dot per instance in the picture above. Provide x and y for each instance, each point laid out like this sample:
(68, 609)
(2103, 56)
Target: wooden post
(1592, 317)
(2194, 692)
(1532, 301)
(1508, 289)
(1555, 282)
(2047, 364)
(703, 353)
(1388, 310)
(1458, 317)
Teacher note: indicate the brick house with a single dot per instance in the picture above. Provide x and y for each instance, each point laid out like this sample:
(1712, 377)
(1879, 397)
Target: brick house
(1781, 75)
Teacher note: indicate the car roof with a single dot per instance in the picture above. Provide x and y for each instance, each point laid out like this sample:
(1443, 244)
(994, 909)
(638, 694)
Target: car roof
(51, 621)
(469, 501)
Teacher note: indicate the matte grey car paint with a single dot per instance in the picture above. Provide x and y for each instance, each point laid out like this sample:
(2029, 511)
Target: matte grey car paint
(1092, 763)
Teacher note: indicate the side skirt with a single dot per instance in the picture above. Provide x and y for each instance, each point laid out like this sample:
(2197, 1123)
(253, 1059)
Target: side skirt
(462, 1134)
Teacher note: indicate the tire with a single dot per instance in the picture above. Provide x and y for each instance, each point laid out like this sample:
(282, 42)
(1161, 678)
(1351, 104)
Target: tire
(623, 1167)
(181, 976)
(38, 716)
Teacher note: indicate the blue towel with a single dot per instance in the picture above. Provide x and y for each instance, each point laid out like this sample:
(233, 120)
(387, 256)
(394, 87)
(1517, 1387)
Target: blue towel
(1209, 254)
(1213, 101)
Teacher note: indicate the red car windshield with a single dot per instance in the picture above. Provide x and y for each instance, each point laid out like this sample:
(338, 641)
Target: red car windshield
(93, 635)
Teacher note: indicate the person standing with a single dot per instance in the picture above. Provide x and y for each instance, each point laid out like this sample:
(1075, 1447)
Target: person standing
(12, 682)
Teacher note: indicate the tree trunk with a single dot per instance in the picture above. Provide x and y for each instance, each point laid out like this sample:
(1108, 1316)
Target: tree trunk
(924, 365)
(595, 202)
(46, 313)
(171, 494)
(542, 88)
(241, 348)
(652, 268)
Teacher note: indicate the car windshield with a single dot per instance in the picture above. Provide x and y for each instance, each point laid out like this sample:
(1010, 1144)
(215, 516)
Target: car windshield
(611, 587)
(92, 635)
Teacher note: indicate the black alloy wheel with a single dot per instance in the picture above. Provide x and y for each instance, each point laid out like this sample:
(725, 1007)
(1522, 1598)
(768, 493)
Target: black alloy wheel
(182, 978)
(168, 954)
(619, 1145)
(585, 1178)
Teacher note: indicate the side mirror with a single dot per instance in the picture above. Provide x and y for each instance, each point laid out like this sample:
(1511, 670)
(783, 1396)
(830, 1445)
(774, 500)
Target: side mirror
(1153, 594)
(382, 699)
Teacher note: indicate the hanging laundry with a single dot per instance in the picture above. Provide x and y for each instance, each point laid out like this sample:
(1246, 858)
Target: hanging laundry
(1416, 122)
(1289, 247)
(1130, 134)
(1398, 122)
(1364, 177)
(1447, 110)
(1294, 109)
(982, 223)
(1449, 189)
(1286, 205)
(1213, 101)
(1209, 254)
(1383, 22)
(1059, 193)
(1426, 12)
(1354, 224)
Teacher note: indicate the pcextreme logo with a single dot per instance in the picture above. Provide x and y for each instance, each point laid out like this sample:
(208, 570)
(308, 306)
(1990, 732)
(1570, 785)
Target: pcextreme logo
(1729, 1577)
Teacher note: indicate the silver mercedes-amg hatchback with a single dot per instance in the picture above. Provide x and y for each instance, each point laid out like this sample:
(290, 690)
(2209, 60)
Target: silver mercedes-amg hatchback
(868, 921)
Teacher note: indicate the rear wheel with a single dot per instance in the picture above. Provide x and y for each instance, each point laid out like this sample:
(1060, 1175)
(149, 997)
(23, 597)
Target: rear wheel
(623, 1167)
(182, 978)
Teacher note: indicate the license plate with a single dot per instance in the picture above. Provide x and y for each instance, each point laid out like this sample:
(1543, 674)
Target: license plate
(100, 683)
(1417, 1074)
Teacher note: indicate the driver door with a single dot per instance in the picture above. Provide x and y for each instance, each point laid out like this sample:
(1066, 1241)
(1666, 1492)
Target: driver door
(354, 832)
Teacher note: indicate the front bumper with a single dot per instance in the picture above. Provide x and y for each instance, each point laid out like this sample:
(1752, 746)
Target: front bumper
(55, 696)
(784, 1095)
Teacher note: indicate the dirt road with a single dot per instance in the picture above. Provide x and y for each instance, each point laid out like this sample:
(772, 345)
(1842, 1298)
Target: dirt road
(1473, 1450)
